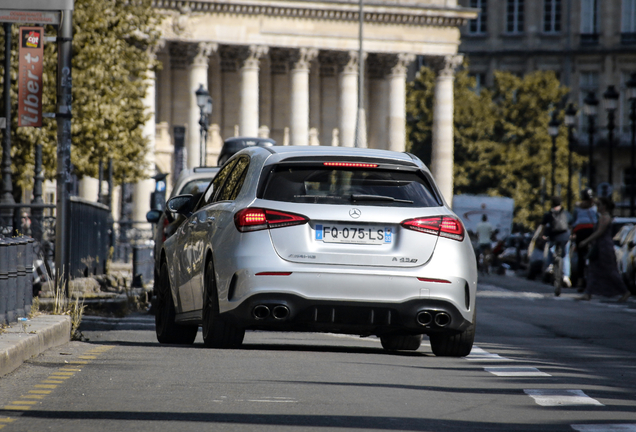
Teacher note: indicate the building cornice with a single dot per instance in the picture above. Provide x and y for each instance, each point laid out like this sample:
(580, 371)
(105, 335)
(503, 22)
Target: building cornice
(338, 10)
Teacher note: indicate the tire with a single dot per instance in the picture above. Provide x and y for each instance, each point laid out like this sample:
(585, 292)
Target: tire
(454, 345)
(217, 332)
(401, 342)
(169, 332)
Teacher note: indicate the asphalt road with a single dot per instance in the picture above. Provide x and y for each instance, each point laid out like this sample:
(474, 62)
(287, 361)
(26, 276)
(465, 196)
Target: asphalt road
(540, 364)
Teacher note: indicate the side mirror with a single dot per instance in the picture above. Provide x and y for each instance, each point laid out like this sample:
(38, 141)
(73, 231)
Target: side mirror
(153, 216)
(180, 204)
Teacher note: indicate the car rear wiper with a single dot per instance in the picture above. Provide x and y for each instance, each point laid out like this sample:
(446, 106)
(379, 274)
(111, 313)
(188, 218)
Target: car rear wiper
(378, 198)
(322, 197)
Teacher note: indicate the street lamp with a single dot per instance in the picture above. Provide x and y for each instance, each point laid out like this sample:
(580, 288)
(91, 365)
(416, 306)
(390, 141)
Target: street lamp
(631, 94)
(570, 122)
(553, 131)
(204, 102)
(590, 108)
(611, 103)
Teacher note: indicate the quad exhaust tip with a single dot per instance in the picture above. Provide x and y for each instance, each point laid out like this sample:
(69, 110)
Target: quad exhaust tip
(260, 312)
(280, 312)
(425, 318)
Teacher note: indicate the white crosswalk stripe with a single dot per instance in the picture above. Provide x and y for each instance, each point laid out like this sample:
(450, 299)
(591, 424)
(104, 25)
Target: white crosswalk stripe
(555, 397)
(516, 372)
(605, 428)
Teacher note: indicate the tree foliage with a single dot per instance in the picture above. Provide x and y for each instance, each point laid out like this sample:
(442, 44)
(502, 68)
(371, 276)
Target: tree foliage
(501, 141)
(111, 61)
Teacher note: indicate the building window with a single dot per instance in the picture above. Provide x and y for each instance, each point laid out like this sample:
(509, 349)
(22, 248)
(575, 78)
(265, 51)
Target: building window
(552, 16)
(480, 24)
(589, 22)
(514, 16)
(628, 26)
(480, 82)
(588, 81)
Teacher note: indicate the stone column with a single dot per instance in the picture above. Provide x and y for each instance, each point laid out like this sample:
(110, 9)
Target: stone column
(378, 102)
(265, 95)
(348, 102)
(248, 117)
(397, 102)
(165, 91)
(299, 116)
(315, 118)
(143, 188)
(442, 159)
(197, 75)
(215, 80)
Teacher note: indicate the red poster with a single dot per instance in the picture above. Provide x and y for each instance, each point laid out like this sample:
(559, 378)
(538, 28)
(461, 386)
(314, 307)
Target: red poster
(30, 76)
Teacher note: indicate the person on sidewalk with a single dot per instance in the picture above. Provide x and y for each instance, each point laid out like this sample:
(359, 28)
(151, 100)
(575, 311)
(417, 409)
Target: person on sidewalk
(602, 272)
(484, 232)
(584, 219)
(555, 228)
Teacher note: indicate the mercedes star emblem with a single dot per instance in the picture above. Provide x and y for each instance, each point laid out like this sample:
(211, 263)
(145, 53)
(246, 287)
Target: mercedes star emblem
(355, 213)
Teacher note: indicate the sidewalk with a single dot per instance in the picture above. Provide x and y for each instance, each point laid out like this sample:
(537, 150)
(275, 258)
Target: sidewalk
(30, 338)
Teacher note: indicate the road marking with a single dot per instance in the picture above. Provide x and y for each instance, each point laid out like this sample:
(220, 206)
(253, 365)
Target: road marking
(33, 396)
(69, 374)
(6, 420)
(78, 362)
(45, 386)
(516, 372)
(41, 391)
(70, 370)
(605, 428)
(21, 402)
(87, 357)
(52, 382)
(17, 407)
(548, 397)
(478, 354)
(59, 377)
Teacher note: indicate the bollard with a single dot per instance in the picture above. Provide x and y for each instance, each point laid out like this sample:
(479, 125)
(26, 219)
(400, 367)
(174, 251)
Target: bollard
(28, 292)
(11, 281)
(4, 280)
(21, 276)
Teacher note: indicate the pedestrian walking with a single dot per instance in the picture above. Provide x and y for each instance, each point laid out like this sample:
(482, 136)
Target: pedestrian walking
(555, 228)
(584, 219)
(602, 273)
(484, 237)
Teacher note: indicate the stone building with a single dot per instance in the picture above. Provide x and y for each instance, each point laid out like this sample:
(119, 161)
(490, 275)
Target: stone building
(288, 69)
(590, 44)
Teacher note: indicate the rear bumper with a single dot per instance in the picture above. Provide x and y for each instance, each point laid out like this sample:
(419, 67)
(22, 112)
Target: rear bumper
(288, 312)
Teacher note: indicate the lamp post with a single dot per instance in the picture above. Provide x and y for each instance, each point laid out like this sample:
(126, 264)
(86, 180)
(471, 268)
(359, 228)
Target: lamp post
(204, 102)
(631, 94)
(553, 131)
(611, 103)
(570, 122)
(590, 109)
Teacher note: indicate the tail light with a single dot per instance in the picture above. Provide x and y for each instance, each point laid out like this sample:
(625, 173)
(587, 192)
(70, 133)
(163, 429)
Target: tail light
(350, 165)
(443, 226)
(255, 219)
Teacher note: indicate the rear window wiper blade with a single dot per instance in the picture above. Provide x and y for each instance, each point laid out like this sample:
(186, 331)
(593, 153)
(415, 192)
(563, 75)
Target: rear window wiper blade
(378, 198)
(324, 197)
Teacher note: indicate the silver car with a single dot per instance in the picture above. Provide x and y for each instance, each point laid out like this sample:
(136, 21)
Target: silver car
(319, 239)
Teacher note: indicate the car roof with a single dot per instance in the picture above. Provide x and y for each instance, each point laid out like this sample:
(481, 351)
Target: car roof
(279, 153)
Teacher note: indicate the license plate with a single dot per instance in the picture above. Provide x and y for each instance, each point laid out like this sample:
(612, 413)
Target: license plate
(337, 233)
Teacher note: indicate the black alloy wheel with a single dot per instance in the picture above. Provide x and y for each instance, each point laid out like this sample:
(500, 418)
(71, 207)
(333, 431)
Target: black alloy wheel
(217, 332)
(168, 331)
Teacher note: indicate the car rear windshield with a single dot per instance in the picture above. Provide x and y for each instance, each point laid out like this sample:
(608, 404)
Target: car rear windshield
(326, 185)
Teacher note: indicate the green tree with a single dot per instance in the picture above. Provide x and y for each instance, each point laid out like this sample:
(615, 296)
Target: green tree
(111, 44)
(502, 146)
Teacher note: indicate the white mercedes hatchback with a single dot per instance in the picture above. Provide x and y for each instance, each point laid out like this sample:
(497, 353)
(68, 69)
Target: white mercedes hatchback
(319, 239)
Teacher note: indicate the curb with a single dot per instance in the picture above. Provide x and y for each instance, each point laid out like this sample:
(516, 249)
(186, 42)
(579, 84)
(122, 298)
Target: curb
(27, 339)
